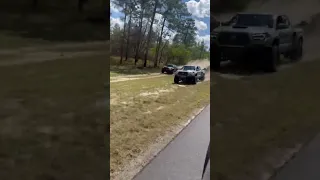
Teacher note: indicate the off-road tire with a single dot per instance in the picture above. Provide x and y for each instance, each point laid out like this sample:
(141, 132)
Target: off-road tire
(202, 78)
(272, 59)
(176, 80)
(162, 71)
(297, 51)
(194, 80)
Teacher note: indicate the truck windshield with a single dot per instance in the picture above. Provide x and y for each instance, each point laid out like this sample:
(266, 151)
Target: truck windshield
(189, 68)
(253, 20)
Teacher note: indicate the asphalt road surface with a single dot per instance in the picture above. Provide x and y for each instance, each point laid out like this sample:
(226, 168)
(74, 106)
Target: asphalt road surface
(183, 158)
(306, 165)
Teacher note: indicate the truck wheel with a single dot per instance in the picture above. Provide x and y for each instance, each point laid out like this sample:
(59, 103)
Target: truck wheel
(176, 80)
(202, 78)
(194, 80)
(162, 71)
(272, 59)
(216, 59)
(297, 52)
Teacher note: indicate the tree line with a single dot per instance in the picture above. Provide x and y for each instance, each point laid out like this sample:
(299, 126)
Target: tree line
(161, 31)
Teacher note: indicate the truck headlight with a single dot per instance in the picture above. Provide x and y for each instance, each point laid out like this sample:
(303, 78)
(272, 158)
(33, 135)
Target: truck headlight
(260, 36)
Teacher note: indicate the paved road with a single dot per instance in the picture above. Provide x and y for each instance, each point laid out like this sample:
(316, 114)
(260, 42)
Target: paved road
(305, 166)
(183, 158)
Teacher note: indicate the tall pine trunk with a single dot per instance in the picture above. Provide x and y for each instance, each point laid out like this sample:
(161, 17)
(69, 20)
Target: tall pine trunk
(124, 34)
(149, 34)
(128, 37)
(159, 44)
(201, 52)
(136, 57)
(161, 52)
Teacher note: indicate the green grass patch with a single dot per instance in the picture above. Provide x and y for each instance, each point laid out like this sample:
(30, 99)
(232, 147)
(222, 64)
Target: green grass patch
(145, 109)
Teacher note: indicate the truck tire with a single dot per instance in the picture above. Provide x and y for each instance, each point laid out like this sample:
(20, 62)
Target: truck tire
(162, 71)
(202, 78)
(176, 80)
(194, 80)
(272, 59)
(297, 51)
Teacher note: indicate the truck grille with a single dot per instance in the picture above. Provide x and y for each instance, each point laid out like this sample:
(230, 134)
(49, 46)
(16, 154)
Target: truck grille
(231, 38)
(183, 73)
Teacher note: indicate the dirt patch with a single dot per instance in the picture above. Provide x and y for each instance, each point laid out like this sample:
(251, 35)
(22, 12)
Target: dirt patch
(134, 77)
(203, 63)
(158, 92)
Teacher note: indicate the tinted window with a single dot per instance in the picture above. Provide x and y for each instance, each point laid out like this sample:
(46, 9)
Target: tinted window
(188, 68)
(285, 20)
(255, 20)
(280, 20)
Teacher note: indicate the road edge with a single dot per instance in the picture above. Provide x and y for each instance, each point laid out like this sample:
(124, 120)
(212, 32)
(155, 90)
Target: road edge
(137, 166)
(293, 155)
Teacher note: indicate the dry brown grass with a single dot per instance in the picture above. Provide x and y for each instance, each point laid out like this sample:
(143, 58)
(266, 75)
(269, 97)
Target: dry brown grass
(256, 120)
(144, 110)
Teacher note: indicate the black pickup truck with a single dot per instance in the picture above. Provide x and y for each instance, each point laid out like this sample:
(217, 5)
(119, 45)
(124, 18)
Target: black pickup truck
(256, 38)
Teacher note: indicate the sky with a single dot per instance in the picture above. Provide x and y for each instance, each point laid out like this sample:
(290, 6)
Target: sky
(200, 10)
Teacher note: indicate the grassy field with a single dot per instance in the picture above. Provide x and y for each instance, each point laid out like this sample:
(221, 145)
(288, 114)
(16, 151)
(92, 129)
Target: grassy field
(53, 121)
(128, 67)
(257, 120)
(144, 110)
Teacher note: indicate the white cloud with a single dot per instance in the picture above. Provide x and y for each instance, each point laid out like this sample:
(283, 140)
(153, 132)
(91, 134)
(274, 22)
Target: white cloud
(114, 9)
(158, 25)
(205, 38)
(199, 9)
(114, 21)
(200, 25)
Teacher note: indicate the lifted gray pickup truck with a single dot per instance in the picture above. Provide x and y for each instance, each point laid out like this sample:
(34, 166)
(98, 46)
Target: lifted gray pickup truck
(190, 73)
(256, 38)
